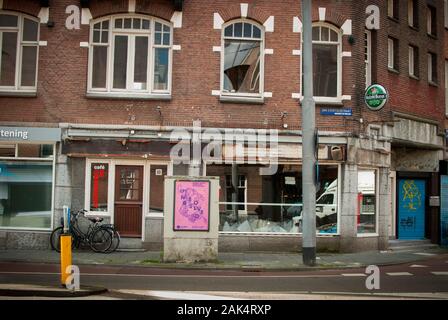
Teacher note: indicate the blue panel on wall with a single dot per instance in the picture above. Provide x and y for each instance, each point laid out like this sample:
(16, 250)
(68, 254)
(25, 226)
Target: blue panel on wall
(411, 209)
(444, 210)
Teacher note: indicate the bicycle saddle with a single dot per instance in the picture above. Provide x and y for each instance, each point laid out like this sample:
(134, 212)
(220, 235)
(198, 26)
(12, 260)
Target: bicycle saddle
(96, 219)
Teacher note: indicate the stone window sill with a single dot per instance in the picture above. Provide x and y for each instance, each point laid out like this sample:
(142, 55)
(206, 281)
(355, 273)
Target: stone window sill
(241, 99)
(19, 94)
(127, 96)
(433, 84)
(393, 70)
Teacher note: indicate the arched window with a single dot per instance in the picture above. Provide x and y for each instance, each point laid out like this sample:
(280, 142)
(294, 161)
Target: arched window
(326, 61)
(242, 62)
(19, 47)
(130, 55)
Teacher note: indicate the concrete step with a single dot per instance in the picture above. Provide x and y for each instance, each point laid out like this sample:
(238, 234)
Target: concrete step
(399, 243)
(130, 244)
(407, 245)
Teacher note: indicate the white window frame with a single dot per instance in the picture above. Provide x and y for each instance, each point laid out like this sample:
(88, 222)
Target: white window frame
(377, 202)
(338, 98)
(261, 61)
(131, 34)
(390, 53)
(20, 44)
(368, 56)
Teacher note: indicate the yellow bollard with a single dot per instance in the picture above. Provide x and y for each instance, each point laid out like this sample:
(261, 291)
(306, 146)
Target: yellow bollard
(66, 257)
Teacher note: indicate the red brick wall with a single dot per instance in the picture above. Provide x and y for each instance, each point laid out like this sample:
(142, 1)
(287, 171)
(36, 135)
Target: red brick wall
(62, 77)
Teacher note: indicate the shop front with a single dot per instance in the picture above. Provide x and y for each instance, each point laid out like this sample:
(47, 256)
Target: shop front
(121, 179)
(417, 151)
(27, 184)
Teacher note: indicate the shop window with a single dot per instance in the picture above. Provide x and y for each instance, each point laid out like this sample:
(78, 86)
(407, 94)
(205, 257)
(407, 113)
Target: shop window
(367, 194)
(99, 183)
(26, 150)
(242, 59)
(19, 44)
(273, 204)
(156, 186)
(34, 150)
(130, 54)
(7, 150)
(26, 194)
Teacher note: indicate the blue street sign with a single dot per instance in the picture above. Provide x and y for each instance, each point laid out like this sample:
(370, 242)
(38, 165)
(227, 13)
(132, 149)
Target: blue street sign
(336, 112)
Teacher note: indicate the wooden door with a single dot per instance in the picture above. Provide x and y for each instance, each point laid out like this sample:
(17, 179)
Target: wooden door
(128, 200)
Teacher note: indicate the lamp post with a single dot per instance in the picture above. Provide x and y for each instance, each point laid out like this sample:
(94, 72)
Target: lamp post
(308, 143)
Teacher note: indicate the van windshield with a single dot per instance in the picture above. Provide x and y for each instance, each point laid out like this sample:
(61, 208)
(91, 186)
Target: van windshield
(326, 199)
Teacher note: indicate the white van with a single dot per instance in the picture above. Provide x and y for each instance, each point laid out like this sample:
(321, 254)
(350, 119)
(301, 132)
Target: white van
(327, 203)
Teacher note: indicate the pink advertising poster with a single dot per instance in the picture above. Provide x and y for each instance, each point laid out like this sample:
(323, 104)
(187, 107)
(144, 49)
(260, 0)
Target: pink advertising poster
(191, 205)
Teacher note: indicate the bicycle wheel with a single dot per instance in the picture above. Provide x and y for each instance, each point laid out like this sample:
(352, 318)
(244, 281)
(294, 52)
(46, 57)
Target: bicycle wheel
(101, 239)
(55, 239)
(115, 240)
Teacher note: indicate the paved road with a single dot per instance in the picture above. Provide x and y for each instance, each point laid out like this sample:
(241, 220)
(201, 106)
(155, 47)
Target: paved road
(426, 276)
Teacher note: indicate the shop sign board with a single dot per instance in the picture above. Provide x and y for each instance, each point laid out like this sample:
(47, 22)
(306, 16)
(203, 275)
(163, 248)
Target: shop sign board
(376, 97)
(25, 134)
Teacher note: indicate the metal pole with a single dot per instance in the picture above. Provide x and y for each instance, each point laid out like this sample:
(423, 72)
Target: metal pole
(308, 145)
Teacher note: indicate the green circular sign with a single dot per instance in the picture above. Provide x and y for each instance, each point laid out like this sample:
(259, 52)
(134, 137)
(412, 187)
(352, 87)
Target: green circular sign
(376, 97)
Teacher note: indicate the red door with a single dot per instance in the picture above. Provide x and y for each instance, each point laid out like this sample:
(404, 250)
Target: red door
(128, 200)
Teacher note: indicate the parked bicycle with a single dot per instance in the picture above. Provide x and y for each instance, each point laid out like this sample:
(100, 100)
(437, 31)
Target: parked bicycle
(100, 237)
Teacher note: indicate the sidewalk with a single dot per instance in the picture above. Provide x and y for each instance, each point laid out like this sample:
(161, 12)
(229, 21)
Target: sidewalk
(271, 261)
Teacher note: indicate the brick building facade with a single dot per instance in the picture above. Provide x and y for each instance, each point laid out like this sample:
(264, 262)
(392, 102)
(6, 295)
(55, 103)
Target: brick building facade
(116, 78)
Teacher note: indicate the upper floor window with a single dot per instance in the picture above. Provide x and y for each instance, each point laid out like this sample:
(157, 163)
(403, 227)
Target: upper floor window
(413, 61)
(392, 53)
(130, 55)
(392, 9)
(432, 68)
(413, 13)
(368, 56)
(326, 61)
(19, 45)
(242, 65)
(431, 21)
(445, 12)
